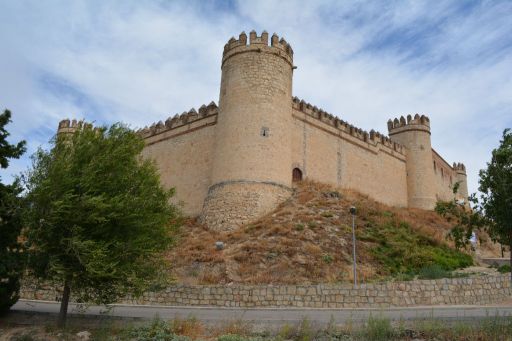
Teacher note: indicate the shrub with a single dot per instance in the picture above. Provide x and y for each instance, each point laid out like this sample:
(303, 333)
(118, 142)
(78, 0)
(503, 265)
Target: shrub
(188, 327)
(286, 332)
(327, 215)
(400, 249)
(234, 327)
(504, 268)
(299, 227)
(404, 276)
(387, 214)
(434, 271)
(327, 258)
(496, 327)
(158, 330)
(305, 332)
(378, 329)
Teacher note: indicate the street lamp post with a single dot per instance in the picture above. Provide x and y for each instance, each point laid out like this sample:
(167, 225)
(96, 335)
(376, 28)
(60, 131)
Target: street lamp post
(353, 212)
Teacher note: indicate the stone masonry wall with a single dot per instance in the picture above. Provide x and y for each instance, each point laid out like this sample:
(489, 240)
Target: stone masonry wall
(231, 204)
(445, 177)
(330, 155)
(472, 291)
(183, 155)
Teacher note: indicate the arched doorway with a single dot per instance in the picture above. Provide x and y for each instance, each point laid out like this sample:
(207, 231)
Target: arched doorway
(296, 175)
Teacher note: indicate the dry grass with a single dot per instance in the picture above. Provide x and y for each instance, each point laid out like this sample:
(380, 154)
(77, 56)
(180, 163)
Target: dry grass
(307, 239)
(189, 327)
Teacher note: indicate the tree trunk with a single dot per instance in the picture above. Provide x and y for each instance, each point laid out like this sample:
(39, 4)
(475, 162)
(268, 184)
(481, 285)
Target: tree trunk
(510, 249)
(64, 305)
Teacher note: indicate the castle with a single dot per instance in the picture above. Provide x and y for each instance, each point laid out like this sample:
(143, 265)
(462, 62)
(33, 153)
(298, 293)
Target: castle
(235, 162)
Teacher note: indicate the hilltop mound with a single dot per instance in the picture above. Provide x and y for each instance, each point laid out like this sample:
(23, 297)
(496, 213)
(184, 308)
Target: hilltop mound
(308, 239)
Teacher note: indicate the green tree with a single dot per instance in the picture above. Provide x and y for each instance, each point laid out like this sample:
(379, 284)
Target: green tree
(496, 188)
(97, 218)
(463, 219)
(11, 262)
(493, 213)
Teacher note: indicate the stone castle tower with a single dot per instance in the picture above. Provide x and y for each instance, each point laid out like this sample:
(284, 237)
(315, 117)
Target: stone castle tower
(236, 162)
(414, 134)
(253, 148)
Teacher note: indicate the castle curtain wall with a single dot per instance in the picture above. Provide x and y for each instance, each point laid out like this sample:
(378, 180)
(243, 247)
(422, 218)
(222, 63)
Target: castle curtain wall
(445, 177)
(328, 154)
(324, 148)
(184, 158)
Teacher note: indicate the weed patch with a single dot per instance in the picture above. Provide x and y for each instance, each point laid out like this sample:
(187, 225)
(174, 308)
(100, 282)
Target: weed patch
(378, 329)
(504, 268)
(401, 250)
(327, 258)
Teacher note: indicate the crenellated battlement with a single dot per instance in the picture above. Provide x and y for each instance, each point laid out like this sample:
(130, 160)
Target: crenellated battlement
(459, 167)
(410, 123)
(68, 126)
(369, 137)
(179, 120)
(258, 44)
(67, 123)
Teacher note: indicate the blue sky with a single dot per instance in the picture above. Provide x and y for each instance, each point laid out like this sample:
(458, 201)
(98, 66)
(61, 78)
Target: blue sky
(365, 61)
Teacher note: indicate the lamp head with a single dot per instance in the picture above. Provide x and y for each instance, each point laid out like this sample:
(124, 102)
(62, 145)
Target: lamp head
(352, 210)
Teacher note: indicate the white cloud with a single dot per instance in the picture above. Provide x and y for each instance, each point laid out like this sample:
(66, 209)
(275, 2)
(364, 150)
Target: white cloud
(366, 61)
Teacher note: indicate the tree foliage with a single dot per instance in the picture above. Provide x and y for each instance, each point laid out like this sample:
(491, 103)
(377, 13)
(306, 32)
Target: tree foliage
(493, 212)
(11, 260)
(97, 216)
(496, 188)
(465, 221)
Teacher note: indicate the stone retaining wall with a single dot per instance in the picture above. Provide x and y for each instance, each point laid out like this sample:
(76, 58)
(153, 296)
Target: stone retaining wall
(473, 290)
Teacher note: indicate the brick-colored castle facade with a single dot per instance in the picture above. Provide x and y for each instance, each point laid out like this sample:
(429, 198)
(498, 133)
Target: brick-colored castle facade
(235, 162)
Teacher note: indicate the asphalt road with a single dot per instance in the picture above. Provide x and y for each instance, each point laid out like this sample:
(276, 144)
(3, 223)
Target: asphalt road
(271, 316)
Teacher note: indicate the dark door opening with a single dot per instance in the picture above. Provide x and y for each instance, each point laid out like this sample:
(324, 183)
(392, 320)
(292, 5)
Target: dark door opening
(296, 175)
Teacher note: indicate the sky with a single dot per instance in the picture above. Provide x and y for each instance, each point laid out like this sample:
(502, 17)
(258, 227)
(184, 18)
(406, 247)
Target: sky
(139, 62)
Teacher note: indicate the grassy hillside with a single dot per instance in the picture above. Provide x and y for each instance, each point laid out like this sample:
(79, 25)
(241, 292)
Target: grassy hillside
(308, 240)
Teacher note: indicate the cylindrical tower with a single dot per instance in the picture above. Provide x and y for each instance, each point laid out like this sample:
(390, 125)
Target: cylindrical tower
(252, 160)
(461, 178)
(414, 134)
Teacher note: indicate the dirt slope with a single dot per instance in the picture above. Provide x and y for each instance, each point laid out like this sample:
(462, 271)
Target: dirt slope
(307, 239)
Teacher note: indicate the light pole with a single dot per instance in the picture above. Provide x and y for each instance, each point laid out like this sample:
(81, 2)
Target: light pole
(353, 212)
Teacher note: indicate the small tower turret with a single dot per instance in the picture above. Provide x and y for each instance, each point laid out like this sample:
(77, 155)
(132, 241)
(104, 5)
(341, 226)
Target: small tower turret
(414, 134)
(252, 158)
(461, 178)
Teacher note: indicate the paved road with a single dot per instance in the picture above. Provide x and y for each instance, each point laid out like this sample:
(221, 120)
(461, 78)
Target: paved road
(276, 316)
